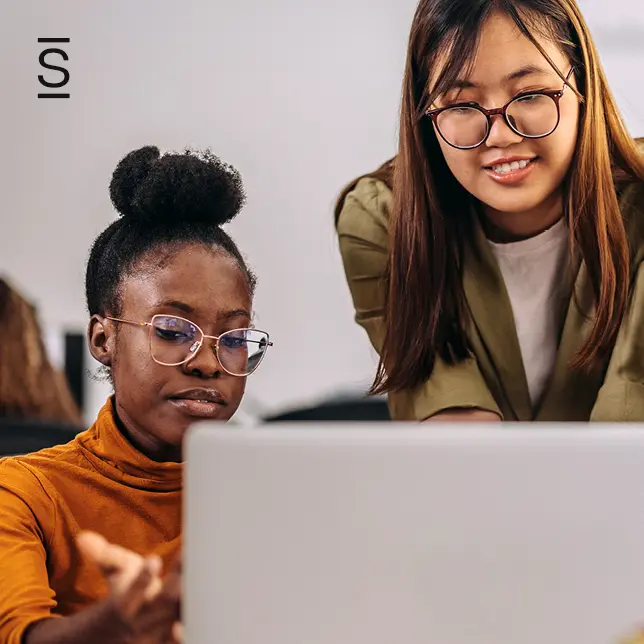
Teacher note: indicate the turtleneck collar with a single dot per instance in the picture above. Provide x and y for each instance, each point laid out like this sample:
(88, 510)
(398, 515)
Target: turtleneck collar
(113, 455)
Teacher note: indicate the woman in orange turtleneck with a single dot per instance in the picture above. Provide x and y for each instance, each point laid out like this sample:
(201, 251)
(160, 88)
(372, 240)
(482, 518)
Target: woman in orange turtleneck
(170, 297)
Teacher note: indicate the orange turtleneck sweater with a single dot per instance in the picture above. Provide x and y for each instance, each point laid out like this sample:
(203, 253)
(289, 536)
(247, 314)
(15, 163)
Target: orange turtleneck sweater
(99, 482)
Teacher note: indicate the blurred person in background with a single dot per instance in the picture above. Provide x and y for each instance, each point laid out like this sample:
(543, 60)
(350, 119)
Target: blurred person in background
(497, 261)
(30, 387)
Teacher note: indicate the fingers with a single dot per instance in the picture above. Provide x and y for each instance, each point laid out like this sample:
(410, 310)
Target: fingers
(160, 612)
(119, 566)
(150, 605)
(109, 557)
(92, 545)
(132, 578)
(144, 583)
(154, 588)
(177, 633)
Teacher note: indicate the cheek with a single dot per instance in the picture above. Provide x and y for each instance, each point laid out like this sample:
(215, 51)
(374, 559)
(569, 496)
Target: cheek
(558, 149)
(237, 389)
(463, 164)
(565, 136)
(134, 371)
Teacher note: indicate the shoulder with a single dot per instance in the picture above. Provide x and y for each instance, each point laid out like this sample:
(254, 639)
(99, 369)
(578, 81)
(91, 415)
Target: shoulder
(365, 208)
(32, 477)
(16, 476)
(631, 201)
(23, 496)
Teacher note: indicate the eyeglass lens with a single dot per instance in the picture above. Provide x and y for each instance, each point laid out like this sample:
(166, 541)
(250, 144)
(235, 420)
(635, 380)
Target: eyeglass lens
(533, 115)
(173, 340)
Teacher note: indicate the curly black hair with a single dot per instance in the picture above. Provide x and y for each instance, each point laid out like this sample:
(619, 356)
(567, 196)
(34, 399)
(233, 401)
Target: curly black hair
(164, 201)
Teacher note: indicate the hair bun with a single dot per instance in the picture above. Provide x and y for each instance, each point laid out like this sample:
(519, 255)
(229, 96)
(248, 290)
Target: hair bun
(129, 176)
(173, 188)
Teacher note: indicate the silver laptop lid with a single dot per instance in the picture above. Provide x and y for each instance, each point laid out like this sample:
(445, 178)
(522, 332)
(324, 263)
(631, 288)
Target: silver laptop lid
(402, 534)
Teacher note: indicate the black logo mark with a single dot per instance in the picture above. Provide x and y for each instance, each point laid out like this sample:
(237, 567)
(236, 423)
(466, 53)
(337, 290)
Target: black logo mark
(45, 64)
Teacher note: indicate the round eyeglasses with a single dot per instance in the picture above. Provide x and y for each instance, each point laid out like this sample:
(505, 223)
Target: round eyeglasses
(531, 115)
(175, 341)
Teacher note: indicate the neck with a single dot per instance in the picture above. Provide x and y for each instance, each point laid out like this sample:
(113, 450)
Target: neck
(148, 445)
(506, 227)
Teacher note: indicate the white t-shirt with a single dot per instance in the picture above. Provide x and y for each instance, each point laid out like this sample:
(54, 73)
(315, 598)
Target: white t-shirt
(533, 270)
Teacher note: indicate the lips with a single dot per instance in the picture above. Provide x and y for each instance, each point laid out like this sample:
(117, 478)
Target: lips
(199, 403)
(508, 161)
(511, 170)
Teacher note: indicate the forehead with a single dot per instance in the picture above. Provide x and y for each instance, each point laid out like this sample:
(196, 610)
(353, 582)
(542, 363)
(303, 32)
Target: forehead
(502, 50)
(208, 280)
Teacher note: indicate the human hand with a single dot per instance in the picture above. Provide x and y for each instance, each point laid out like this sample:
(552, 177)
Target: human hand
(147, 604)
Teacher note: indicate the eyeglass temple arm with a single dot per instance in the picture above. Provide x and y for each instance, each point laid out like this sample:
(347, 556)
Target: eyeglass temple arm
(216, 337)
(129, 321)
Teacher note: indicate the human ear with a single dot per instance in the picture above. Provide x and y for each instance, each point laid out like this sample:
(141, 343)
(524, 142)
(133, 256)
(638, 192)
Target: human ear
(101, 337)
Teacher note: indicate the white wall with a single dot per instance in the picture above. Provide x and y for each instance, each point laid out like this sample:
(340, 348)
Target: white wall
(300, 95)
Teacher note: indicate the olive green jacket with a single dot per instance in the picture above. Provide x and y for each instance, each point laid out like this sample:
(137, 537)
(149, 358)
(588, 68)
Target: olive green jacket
(494, 378)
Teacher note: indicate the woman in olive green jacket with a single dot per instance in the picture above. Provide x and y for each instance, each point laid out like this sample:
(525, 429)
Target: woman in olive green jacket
(503, 277)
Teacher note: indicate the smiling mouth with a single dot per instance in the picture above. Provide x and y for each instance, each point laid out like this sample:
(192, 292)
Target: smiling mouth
(511, 173)
(507, 168)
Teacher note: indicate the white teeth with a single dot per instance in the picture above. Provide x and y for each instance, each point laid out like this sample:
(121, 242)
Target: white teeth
(504, 168)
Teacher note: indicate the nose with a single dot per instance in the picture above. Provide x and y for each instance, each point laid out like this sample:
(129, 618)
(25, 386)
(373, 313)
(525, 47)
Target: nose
(204, 362)
(501, 134)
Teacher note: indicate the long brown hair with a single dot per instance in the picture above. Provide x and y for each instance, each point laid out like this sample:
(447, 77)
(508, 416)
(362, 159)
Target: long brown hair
(425, 309)
(30, 387)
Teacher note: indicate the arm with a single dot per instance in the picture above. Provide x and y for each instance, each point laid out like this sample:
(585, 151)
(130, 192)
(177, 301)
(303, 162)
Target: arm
(100, 624)
(621, 397)
(140, 609)
(363, 236)
(27, 601)
(25, 594)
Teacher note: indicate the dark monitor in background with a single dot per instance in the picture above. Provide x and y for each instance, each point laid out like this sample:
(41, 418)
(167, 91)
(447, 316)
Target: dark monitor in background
(75, 366)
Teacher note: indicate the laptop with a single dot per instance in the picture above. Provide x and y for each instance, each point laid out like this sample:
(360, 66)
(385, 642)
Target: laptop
(402, 534)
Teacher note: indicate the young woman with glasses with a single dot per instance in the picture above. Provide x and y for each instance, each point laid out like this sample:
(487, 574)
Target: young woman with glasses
(170, 299)
(502, 277)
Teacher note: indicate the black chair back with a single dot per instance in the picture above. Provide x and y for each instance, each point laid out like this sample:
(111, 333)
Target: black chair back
(349, 409)
(20, 436)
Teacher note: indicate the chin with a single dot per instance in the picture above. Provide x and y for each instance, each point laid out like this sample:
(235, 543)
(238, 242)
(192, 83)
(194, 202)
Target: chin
(518, 203)
(173, 435)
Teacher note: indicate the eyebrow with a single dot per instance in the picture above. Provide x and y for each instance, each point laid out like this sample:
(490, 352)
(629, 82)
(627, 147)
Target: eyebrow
(235, 313)
(522, 72)
(175, 304)
(186, 308)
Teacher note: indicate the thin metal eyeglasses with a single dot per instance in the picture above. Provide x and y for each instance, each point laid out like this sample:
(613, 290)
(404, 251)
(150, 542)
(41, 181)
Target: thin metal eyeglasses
(175, 340)
(531, 115)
